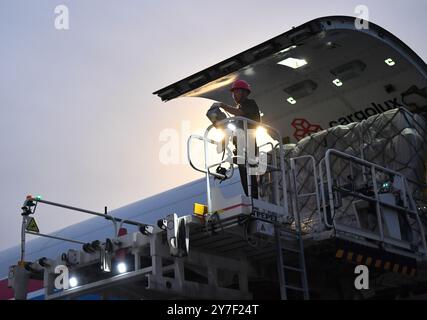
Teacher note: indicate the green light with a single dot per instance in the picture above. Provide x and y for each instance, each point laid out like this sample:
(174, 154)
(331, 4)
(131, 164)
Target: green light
(38, 198)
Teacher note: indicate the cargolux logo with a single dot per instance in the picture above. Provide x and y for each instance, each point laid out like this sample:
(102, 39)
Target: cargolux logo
(303, 128)
(374, 109)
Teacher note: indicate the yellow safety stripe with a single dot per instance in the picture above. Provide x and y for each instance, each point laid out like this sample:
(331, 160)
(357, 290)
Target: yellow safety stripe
(377, 263)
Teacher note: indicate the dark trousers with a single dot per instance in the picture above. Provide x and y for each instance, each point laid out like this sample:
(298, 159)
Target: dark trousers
(243, 175)
(244, 179)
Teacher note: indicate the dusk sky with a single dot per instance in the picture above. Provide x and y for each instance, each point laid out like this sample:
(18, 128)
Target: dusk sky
(80, 124)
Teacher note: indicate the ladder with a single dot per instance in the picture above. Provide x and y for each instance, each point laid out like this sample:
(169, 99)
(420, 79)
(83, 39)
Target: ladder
(294, 242)
(293, 248)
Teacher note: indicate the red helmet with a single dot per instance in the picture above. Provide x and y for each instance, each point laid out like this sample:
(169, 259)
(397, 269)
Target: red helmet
(240, 84)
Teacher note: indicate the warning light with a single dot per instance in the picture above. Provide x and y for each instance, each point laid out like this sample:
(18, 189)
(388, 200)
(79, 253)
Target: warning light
(386, 185)
(38, 198)
(29, 201)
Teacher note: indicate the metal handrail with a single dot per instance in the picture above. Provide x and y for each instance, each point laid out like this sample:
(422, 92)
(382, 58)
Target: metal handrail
(193, 136)
(313, 161)
(265, 144)
(245, 121)
(374, 168)
(103, 215)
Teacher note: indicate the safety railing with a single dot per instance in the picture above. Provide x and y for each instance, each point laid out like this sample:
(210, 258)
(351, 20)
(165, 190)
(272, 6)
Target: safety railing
(274, 170)
(189, 152)
(250, 161)
(388, 212)
(308, 185)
